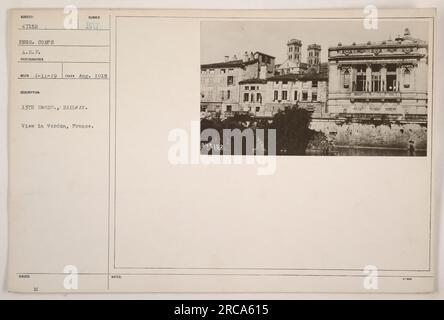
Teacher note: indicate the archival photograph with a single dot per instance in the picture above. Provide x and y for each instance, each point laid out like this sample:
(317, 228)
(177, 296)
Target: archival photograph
(315, 87)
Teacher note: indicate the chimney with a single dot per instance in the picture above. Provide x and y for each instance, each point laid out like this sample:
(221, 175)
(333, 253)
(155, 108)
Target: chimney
(406, 32)
(245, 56)
(235, 57)
(251, 56)
(263, 72)
(226, 58)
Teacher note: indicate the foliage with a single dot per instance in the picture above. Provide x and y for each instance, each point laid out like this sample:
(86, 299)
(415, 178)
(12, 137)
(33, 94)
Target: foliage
(292, 128)
(292, 131)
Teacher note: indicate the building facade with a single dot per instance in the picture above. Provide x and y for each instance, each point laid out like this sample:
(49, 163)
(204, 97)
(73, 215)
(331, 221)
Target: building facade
(307, 91)
(384, 80)
(379, 80)
(220, 92)
(295, 84)
(252, 94)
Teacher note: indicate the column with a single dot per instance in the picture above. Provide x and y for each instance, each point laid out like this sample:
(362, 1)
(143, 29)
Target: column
(341, 77)
(353, 78)
(398, 77)
(368, 78)
(383, 78)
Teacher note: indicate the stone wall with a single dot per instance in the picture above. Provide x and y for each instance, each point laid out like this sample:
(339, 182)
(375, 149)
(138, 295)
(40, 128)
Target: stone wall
(375, 135)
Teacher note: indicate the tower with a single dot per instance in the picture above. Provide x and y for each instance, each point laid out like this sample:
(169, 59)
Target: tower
(294, 50)
(314, 55)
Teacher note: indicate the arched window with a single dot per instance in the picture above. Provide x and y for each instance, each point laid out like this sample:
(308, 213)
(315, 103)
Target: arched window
(407, 78)
(346, 80)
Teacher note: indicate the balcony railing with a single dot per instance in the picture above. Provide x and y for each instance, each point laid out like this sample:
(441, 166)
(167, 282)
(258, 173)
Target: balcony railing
(375, 95)
(416, 117)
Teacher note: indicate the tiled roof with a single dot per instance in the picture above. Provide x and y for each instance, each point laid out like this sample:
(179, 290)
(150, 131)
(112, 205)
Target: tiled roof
(291, 64)
(228, 64)
(264, 54)
(300, 76)
(254, 80)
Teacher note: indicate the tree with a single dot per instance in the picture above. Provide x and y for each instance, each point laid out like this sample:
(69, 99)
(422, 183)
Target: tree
(292, 131)
(210, 124)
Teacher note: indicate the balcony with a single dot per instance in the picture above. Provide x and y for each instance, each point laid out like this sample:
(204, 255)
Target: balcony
(416, 117)
(377, 95)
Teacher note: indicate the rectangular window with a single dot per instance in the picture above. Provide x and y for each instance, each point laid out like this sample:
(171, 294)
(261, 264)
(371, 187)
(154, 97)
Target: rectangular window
(314, 96)
(314, 84)
(258, 109)
(304, 96)
(376, 82)
(284, 95)
(246, 95)
(276, 95)
(222, 71)
(229, 108)
(391, 82)
(230, 80)
(295, 95)
(360, 83)
(228, 94)
(259, 97)
(246, 88)
(391, 68)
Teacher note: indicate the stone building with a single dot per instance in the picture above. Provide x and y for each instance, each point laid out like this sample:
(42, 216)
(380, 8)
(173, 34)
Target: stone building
(252, 94)
(303, 90)
(220, 81)
(296, 84)
(379, 80)
(368, 95)
(293, 62)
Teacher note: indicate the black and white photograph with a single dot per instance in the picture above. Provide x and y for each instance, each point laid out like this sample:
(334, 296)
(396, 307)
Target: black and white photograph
(321, 87)
(263, 151)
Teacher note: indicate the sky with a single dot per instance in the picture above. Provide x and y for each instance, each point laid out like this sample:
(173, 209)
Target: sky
(221, 38)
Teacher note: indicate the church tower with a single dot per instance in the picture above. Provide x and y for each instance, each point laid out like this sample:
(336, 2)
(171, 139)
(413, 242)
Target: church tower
(314, 55)
(294, 50)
